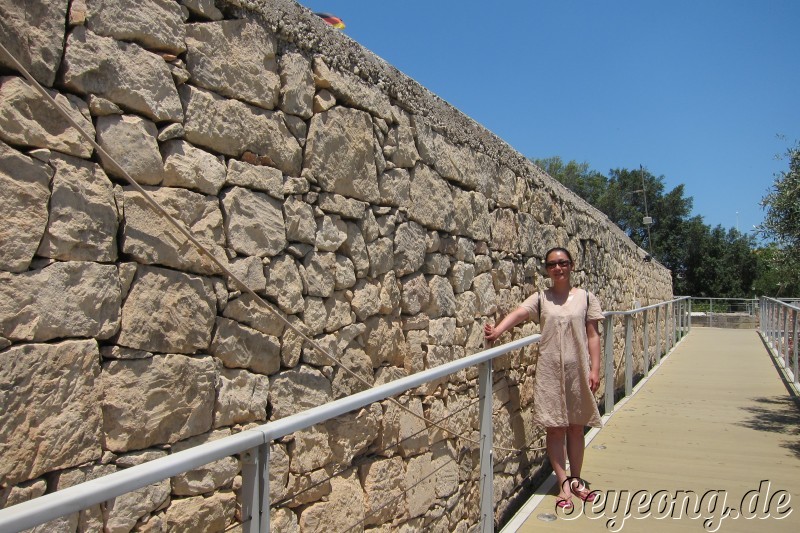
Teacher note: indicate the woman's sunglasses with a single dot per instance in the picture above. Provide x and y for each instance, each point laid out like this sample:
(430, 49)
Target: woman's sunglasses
(552, 264)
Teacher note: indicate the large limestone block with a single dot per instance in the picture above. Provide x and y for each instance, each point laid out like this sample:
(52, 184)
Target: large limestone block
(125, 511)
(309, 450)
(284, 284)
(400, 148)
(234, 58)
(403, 428)
(297, 85)
(73, 299)
(131, 141)
(258, 178)
(319, 270)
(159, 400)
(238, 346)
(344, 506)
(473, 218)
(352, 90)
(298, 389)
(33, 32)
(505, 231)
(168, 312)
(242, 397)
(83, 213)
(254, 222)
(87, 520)
(409, 248)
(199, 513)
(27, 119)
(385, 342)
(351, 434)
(442, 300)
(339, 153)
(208, 477)
(383, 490)
(50, 419)
(154, 24)
(395, 187)
(232, 128)
(124, 73)
(420, 486)
(24, 195)
(150, 239)
(431, 200)
(192, 168)
(300, 224)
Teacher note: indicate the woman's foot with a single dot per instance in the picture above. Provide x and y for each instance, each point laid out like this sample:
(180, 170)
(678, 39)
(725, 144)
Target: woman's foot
(578, 487)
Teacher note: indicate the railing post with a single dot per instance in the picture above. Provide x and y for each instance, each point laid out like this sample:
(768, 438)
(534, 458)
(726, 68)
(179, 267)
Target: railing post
(254, 469)
(486, 437)
(628, 354)
(608, 354)
(689, 315)
(794, 348)
(646, 343)
(785, 337)
(658, 335)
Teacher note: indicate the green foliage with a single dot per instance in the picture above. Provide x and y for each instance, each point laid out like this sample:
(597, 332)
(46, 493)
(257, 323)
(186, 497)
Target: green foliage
(778, 275)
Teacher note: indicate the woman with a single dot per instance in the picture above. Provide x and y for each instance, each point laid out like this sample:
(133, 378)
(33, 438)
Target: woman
(568, 369)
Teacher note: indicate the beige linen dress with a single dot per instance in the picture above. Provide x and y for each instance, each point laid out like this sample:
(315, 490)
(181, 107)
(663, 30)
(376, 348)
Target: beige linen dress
(561, 392)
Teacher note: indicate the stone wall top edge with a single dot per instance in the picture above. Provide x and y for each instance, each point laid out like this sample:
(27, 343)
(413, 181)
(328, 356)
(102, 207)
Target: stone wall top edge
(298, 26)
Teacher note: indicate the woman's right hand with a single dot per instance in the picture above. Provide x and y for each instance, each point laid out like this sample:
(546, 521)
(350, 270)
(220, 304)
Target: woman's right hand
(490, 333)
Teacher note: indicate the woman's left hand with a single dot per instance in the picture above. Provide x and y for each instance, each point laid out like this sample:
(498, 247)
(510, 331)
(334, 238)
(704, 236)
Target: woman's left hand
(594, 380)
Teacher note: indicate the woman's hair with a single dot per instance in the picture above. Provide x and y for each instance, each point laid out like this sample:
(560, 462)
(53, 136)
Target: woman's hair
(559, 249)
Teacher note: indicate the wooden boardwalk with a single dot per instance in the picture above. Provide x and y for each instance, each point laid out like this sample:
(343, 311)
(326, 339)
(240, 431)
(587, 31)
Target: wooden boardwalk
(715, 417)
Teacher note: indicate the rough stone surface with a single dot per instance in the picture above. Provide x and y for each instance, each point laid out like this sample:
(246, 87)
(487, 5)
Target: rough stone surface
(124, 73)
(74, 299)
(254, 222)
(131, 141)
(192, 168)
(232, 128)
(159, 400)
(154, 24)
(297, 389)
(168, 312)
(242, 397)
(83, 213)
(297, 85)
(36, 437)
(150, 239)
(238, 346)
(209, 477)
(339, 153)
(234, 58)
(34, 34)
(199, 513)
(27, 119)
(24, 196)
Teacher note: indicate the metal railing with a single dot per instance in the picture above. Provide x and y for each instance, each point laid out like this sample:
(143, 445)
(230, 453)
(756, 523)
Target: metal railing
(254, 444)
(676, 324)
(779, 330)
(726, 312)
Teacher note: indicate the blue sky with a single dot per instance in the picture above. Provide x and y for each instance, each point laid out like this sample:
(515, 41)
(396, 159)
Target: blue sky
(702, 92)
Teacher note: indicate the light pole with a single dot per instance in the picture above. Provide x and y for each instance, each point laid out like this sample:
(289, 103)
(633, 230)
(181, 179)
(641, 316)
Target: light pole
(647, 220)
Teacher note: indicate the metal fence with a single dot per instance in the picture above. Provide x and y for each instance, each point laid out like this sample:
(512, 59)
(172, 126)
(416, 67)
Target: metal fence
(779, 330)
(669, 322)
(737, 313)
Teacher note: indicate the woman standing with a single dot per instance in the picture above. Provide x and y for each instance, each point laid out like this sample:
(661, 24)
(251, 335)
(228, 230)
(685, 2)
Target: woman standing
(567, 371)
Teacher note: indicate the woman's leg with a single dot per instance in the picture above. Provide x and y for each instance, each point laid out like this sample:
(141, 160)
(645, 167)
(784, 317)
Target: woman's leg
(556, 453)
(575, 447)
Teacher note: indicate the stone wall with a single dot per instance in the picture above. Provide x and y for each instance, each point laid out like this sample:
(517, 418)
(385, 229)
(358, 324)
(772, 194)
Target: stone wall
(376, 218)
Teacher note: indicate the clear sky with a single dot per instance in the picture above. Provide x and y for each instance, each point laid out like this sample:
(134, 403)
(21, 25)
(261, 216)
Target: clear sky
(702, 92)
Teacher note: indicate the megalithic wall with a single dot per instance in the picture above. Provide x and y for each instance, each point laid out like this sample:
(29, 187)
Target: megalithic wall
(379, 221)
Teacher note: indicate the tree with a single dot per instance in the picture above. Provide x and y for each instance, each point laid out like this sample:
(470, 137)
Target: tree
(780, 262)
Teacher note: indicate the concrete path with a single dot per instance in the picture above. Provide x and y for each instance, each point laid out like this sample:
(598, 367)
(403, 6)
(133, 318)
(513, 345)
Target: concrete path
(715, 417)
